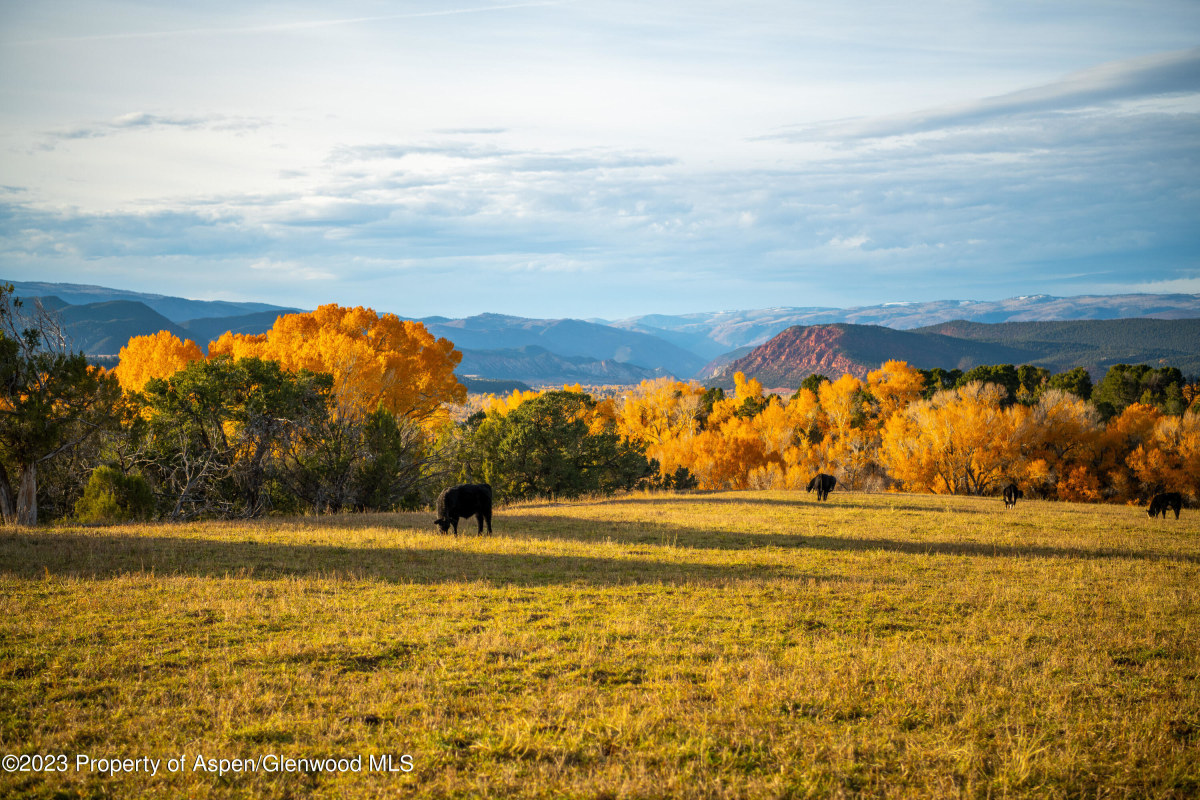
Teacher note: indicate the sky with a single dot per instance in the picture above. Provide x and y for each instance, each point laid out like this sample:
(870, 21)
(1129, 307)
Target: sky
(601, 159)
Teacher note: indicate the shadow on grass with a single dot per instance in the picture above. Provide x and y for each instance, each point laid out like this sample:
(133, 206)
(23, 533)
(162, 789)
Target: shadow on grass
(658, 533)
(36, 554)
(843, 500)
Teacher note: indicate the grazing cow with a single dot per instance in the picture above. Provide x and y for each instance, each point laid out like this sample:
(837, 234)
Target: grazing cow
(1011, 495)
(823, 484)
(466, 500)
(1161, 502)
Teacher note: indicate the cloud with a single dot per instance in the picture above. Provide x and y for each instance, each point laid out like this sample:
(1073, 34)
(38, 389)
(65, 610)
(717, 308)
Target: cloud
(145, 121)
(1153, 76)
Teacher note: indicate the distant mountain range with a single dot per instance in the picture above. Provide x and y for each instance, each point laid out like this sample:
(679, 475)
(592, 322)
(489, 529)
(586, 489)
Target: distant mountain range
(708, 346)
(716, 333)
(790, 357)
(563, 337)
(537, 365)
(176, 309)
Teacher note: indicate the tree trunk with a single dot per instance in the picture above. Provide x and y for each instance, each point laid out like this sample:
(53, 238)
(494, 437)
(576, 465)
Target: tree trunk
(8, 508)
(27, 495)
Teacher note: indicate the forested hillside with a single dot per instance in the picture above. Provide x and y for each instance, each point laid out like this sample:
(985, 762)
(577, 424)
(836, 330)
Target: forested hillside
(1092, 344)
(1095, 345)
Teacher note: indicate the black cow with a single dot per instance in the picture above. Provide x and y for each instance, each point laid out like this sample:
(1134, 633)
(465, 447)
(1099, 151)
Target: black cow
(466, 500)
(823, 484)
(1161, 502)
(1011, 495)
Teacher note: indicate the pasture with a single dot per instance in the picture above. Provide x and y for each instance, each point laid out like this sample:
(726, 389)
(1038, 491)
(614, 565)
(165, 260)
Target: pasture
(737, 644)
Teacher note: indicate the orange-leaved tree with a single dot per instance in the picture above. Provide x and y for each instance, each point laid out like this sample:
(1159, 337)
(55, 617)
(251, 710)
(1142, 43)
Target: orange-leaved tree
(1124, 434)
(158, 355)
(960, 441)
(375, 360)
(1169, 460)
(849, 445)
(1060, 436)
(663, 415)
(894, 385)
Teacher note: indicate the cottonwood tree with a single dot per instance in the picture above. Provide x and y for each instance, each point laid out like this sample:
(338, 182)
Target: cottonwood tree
(51, 401)
(158, 355)
(960, 441)
(375, 360)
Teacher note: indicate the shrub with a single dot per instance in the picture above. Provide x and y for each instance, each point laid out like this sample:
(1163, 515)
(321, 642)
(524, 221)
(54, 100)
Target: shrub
(112, 496)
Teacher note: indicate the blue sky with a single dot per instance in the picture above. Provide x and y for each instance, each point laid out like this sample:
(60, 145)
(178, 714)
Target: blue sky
(601, 159)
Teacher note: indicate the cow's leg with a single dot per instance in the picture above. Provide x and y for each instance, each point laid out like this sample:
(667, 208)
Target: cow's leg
(488, 515)
(454, 522)
(479, 519)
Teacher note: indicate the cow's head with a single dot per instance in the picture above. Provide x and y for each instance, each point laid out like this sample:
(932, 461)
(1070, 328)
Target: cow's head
(443, 525)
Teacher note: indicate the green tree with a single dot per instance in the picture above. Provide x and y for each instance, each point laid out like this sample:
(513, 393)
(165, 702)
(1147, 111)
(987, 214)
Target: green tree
(549, 447)
(1126, 384)
(939, 380)
(375, 462)
(813, 382)
(1000, 374)
(1077, 381)
(51, 402)
(711, 396)
(217, 429)
(111, 496)
(1032, 381)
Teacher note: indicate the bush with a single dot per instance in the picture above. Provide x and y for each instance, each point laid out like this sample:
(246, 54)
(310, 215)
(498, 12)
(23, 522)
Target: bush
(112, 496)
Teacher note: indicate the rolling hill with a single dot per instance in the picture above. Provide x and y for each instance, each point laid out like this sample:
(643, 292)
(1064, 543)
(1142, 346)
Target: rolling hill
(104, 328)
(568, 338)
(176, 309)
(539, 367)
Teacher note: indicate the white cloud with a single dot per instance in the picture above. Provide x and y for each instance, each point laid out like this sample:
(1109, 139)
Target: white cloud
(596, 152)
(1152, 76)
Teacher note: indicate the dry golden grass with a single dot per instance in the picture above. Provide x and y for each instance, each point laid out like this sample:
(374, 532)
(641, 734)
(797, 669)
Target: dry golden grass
(752, 644)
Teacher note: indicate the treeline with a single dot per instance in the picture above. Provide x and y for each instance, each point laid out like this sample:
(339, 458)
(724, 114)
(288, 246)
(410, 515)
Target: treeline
(936, 430)
(1135, 433)
(332, 410)
(344, 409)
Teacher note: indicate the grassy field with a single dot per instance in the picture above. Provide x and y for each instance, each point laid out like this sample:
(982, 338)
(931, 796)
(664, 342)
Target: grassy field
(750, 644)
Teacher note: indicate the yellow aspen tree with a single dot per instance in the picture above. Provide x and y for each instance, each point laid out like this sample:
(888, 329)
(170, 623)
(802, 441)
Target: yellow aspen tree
(375, 360)
(1169, 460)
(960, 441)
(1059, 437)
(849, 446)
(894, 385)
(661, 414)
(1124, 434)
(505, 405)
(158, 355)
(805, 457)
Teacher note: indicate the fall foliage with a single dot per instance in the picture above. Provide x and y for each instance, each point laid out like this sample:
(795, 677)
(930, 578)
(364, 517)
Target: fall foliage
(159, 355)
(370, 426)
(374, 360)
